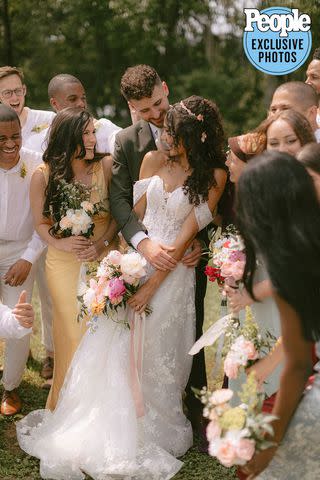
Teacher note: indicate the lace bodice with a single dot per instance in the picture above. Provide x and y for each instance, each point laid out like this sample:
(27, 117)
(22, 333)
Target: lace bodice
(166, 211)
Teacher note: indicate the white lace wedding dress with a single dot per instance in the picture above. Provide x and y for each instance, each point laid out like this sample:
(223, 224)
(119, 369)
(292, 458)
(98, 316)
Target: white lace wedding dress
(94, 428)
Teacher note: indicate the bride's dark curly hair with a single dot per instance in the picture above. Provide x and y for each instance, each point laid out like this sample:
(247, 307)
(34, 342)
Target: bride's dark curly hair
(278, 215)
(65, 142)
(196, 122)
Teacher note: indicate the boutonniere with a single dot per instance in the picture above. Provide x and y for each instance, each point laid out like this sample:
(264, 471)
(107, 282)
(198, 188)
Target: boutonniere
(39, 128)
(23, 170)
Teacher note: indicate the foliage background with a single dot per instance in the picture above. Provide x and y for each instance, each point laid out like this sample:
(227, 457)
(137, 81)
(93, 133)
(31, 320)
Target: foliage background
(196, 46)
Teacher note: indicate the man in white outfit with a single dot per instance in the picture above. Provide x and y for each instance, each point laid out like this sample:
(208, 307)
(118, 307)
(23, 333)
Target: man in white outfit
(12, 93)
(64, 91)
(20, 246)
(18, 322)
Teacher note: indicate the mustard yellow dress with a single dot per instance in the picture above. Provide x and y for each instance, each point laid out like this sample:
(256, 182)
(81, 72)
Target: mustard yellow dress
(62, 270)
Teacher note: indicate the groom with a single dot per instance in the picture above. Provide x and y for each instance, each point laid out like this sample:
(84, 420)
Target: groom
(147, 97)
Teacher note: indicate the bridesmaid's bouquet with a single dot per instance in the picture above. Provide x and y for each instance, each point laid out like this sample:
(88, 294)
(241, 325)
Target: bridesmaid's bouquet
(74, 212)
(244, 344)
(236, 433)
(228, 257)
(117, 279)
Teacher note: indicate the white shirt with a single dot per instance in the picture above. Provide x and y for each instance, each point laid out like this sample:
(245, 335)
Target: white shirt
(105, 133)
(37, 120)
(16, 222)
(9, 325)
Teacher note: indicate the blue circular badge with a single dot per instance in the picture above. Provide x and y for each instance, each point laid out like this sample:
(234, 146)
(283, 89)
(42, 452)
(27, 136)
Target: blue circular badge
(276, 45)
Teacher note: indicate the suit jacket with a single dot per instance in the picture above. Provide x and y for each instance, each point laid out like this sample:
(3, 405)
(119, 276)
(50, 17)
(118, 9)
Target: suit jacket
(130, 147)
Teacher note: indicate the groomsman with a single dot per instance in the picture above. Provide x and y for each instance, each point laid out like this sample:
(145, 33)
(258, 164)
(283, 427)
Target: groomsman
(300, 97)
(147, 97)
(313, 76)
(12, 93)
(20, 246)
(64, 91)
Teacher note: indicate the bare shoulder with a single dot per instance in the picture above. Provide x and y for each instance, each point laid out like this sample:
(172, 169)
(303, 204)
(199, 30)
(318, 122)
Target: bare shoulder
(151, 163)
(39, 178)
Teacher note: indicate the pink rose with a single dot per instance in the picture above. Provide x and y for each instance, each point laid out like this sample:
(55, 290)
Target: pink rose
(245, 449)
(213, 430)
(226, 453)
(221, 396)
(116, 290)
(233, 269)
(231, 367)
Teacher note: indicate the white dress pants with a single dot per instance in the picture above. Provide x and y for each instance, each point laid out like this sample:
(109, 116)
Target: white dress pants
(16, 351)
(45, 301)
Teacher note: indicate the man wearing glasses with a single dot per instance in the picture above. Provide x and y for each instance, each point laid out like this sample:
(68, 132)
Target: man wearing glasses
(12, 93)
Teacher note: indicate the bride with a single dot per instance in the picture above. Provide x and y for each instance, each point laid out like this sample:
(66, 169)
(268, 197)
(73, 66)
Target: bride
(96, 428)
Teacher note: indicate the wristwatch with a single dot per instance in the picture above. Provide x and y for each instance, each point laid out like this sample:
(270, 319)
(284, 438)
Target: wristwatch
(106, 243)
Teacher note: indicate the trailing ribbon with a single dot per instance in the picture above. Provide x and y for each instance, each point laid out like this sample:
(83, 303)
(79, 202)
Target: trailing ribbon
(137, 329)
(211, 335)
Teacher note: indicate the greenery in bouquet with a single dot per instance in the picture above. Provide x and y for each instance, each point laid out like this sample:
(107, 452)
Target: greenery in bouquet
(72, 212)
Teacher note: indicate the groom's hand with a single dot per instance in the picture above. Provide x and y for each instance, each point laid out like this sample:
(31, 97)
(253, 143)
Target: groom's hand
(157, 254)
(192, 259)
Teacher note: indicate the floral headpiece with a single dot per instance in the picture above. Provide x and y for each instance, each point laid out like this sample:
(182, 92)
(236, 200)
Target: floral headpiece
(248, 145)
(198, 117)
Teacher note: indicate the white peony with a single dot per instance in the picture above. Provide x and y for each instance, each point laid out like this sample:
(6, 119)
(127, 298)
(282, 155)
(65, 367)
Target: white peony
(132, 264)
(81, 222)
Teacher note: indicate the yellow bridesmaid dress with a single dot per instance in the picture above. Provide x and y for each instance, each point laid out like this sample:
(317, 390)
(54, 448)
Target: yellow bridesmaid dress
(62, 270)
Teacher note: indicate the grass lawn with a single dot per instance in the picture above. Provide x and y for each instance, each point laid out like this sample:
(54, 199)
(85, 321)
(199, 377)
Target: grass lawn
(14, 464)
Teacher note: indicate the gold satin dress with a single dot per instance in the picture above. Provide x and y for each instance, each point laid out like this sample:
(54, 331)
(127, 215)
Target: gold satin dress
(62, 270)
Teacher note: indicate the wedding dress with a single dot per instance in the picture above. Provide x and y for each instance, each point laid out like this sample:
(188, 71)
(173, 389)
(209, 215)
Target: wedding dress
(95, 428)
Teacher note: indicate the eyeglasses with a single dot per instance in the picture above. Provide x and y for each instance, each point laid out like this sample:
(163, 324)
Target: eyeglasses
(17, 91)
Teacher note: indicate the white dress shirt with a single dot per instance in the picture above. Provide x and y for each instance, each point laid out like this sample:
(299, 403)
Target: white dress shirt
(9, 325)
(16, 222)
(37, 120)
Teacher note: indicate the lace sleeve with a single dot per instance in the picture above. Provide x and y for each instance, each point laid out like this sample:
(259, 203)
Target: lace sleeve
(203, 215)
(140, 188)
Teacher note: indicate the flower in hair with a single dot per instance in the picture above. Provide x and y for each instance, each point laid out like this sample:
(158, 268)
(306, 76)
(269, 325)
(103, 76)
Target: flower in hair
(203, 137)
(199, 117)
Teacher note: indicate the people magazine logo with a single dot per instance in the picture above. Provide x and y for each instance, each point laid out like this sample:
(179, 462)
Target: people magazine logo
(277, 40)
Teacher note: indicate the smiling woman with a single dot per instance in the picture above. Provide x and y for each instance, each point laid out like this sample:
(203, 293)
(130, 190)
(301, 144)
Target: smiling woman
(71, 170)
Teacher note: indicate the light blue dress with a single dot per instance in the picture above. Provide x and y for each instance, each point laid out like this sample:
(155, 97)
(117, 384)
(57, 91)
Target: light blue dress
(298, 457)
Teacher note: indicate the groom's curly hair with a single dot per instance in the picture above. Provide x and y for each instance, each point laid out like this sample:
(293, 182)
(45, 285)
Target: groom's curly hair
(196, 121)
(138, 82)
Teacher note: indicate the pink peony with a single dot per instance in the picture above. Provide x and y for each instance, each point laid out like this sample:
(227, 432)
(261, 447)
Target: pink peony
(116, 290)
(114, 257)
(231, 367)
(245, 347)
(226, 453)
(213, 430)
(233, 269)
(245, 449)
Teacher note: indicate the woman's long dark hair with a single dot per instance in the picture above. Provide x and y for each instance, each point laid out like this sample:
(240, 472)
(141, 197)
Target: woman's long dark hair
(197, 123)
(278, 215)
(65, 140)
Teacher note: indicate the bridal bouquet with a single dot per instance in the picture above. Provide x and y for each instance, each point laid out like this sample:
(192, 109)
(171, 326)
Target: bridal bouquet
(236, 433)
(228, 257)
(117, 279)
(74, 212)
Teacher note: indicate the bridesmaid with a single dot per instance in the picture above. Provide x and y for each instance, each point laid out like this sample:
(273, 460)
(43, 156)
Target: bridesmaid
(70, 156)
(282, 225)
